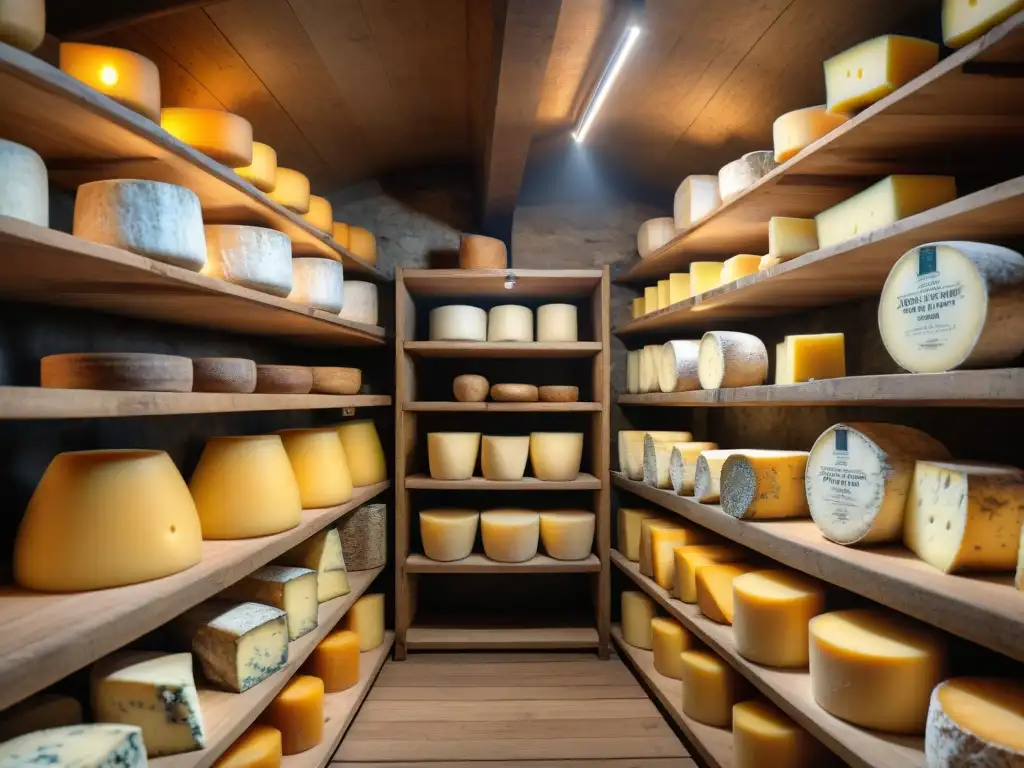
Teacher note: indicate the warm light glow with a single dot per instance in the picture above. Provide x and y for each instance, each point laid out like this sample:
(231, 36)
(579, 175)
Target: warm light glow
(607, 80)
(108, 75)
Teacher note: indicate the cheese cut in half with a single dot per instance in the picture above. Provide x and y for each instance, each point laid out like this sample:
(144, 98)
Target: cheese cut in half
(359, 302)
(859, 477)
(321, 553)
(320, 214)
(705, 276)
(964, 21)
(691, 558)
(764, 485)
(682, 465)
(219, 135)
(458, 322)
(293, 590)
(23, 23)
(669, 640)
(318, 283)
(363, 244)
(789, 238)
(364, 537)
(366, 619)
(628, 534)
(510, 322)
(161, 221)
(452, 455)
(695, 198)
(291, 189)
(567, 534)
(510, 535)
(654, 234)
(557, 322)
(43, 710)
(320, 467)
(710, 688)
(797, 130)
(739, 175)
(976, 721)
(763, 736)
(739, 266)
(771, 612)
(261, 172)
(731, 359)
(965, 516)
(556, 456)
(298, 713)
(448, 534)
(633, 370)
(870, 71)
(647, 527)
(953, 305)
(637, 612)
(363, 452)
(714, 589)
(100, 745)
(259, 747)
(24, 193)
(480, 252)
(678, 369)
(657, 455)
(707, 476)
(810, 357)
(133, 81)
(504, 458)
(254, 257)
(664, 541)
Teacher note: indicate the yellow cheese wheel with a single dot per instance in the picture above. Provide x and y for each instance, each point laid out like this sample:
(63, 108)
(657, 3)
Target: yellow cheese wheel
(298, 713)
(366, 619)
(340, 233)
(714, 589)
(219, 135)
(503, 457)
(336, 661)
(480, 252)
(762, 736)
(664, 541)
(567, 534)
(637, 612)
(452, 455)
(320, 466)
(976, 721)
(448, 534)
(320, 214)
(259, 747)
(556, 455)
(364, 452)
(628, 539)
(669, 640)
(129, 79)
(291, 189)
(647, 528)
(510, 535)
(363, 244)
(771, 611)
(261, 172)
(710, 688)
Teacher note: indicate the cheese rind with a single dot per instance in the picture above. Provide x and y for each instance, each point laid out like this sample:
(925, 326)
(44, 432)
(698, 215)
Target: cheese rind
(510, 322)
(254, 257)
(24, 192)
(738, 266)
(696, 197)
(556, 456)
(458, 322)
(668, 641)
(321, 553)
(763, 736)
(705, 276)
(131, 80)
(23, 23)
(567, 534)
(366, 619)
(628, 531)
(335, 660)
(480, 252)
(682, 465)
(298, 713)
(653, 234)
(789, 238)
(259, 747)
(557, 322)
(710, 688)
(657, 455)
(678, 369)
(714, 589)
(364, 453)
(452, 455)
(731, 359)
(448, 534)
(318, 461)
(870, 71)
(707, 474)
(261, 172)
(764, 485)
(739, 175)
(964, 21)
(318, 283)
(363, 244)
(771, 612)
(38, 712)
(690, 559)
(320, 214)
(637, 612)
(504, 457)
(633, 371)
(220, 135)
(510, 535)
(470, 388)
(631, 448)
(102, 745)
(975, 721)
(359, 302)
(291, 189)
(795, 131)
(293, 590)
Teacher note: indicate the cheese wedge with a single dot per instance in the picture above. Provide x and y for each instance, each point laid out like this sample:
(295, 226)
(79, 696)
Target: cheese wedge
(653, 234)
(870, 71)
(691, 558)
(789, 238)
(321, 553)
(695, 198)
(764, 485)
(663, 544)
(964, 21)
(293, 590)
(771, 612)
(976, 721)
(714, 589)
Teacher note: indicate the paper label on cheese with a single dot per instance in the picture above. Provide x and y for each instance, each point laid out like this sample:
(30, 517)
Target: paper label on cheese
(929, 302)
(844, 477)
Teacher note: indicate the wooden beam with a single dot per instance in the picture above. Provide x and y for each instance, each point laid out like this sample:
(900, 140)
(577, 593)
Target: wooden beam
(75, 20)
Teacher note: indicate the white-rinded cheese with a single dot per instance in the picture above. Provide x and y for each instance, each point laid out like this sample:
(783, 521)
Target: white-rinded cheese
(731, 359)
(504, 457)
(23, 23)
(366, 619)
(650, 367)
(452, 455)
(359, 302)
(44, 710)
(321, 553)
(557, 322)
(458, 322)
(870, 71)
(151, 218)
(764, 485)
(695, 198)
(126, 77)
(219, 135)
(480, 252)
(256, 257)
(677, 371)
(291, 189)
(740, 265)
(364, 537)
(953, 305)
(653, 234)
(707, 475)
(510, 535)
(964, 21)
(628, 537)
(859, 476)
(320, 214)
(556, 455)
(797, 130)
(293, 590)
(771, 611)
(320, 466)
(510, 322)
(633, 371)
(682, 465)
(637, 612)
(740, 175)
(763, 736)
(567, 534)
(710, 688)
(262, 171)
(789, 238)
(103, 745)
(318, 283)
(154, 691)
(975, 722)
(657, 457)
(448, 534)
(23, 184)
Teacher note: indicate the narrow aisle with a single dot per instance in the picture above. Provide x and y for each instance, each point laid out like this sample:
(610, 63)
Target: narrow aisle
(436, 708)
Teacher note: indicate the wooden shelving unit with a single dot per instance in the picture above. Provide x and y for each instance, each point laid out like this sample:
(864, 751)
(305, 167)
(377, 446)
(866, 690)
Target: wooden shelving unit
(476, 563)
(441, 406)
(507, 349)
(501, 639)
(584, 482)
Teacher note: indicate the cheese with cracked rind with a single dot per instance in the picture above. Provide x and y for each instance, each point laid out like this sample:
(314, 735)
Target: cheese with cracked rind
(628, 532)
(253, 257)
(713, 585)
(23, 23)
(262, 171)
(654, 234)
(763, 736)
(739, 175)
(682, 465)
(694, 556)
(448, 534)
(292, 589)
(557, 323)
(319, 464)
(764, 485)
(320, 214)
(24, 190)
(504, 457)
(218, 134)
(975, 722)
(567, 534)
(99, 745)
(668, 641)
(795, 131)
(637, 612)
(677, 371)
(710, 688)
(291, 190)
(359, 302)
(510, 322)
(363, 452)
(452, 455)
(322, 553)
(771, 612)
(458, 322)
(731, 359)
(366, 619)
(964, 21)
(556, 456)
(510, 535)
(318, 283)
(298, 713)
(696, 197)
(868, 72)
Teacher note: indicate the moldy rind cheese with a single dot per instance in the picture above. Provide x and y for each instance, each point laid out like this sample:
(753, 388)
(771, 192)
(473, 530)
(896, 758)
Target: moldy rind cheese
(654, 234)
(682, 465)
(318, 283)
(731, 359)
(359, 302)
(100, 744)
(739, 175)
(293, 590)
(253, 257)
(764, 485)
(678, 368)
(976, 721)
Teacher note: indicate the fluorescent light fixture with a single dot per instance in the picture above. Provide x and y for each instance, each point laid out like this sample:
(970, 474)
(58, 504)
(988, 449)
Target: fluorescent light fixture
(622, 52)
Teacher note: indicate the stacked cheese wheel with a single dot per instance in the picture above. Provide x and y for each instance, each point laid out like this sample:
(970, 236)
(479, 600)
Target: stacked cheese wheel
(504, 323)
(508, 535)
(553, 456)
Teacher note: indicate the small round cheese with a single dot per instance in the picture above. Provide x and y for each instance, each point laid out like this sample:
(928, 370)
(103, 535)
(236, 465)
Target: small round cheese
(291, 189)
(448, 534)
(364, 451)
(739, 175)
(668, 641)
(254, 257)
(479, 252)
(223, 374)
(320, 214)
(261, 172)
(359, 302)
(510, 535)
(556, 455)
(637, 612)
(771, 611)
(366, 619)
(470, 388)
(515, 393)
(557, 322)
(363, 244)
(284, 379)
(976, 722)
(219, 135)
(126, 77)
(567, 534)
(24, 193)
(335, 380)
(731, 359)
(763, 736)
(710, 688)
(452, 455)
(320, 467)
(23, 23)
(510, 322)
(458, 322)
(318, 283)
(503, 457)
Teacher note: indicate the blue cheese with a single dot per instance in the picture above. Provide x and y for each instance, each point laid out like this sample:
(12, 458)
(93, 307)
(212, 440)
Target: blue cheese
(102, 745)
(293, 590)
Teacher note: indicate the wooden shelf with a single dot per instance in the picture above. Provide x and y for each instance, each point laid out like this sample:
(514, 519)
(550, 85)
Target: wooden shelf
(441, 406)
(523, 350)
(49, 636)
(789, 689)
(585, 482)
(450, 639)
(85, 136)
(477, 563)
(999, 388)
(713, 744)
(226, 715)
(983, 609)
(40, 403)
(946, 119)
(529, 283)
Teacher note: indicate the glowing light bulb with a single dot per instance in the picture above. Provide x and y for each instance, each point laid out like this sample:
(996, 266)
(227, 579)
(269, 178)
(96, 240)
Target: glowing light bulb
(108, 76)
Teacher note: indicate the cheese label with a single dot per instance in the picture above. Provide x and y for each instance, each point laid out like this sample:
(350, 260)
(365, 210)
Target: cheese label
(926, 260)
(929, 303)
(844, 476)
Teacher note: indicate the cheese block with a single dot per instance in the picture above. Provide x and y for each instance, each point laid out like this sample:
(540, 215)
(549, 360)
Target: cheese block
(953, 305)
(223, 374)
(510, 322)
(161, 221)
(154, 691)
(253, 257)
(810, 357)
(363, 451)
(259, 747)
(965, 516)
(731, 359)
(262, 171)
(452, 455)
(637, 612)
(320, 214)
(763, 736)
(964, 21)
(515, 393)
(133, 81)
(870, 71)
(771, 612)
(557, 322)
(556, 456)
(318, 283)
(654, 234)
(106, 518)
(875, 668)
(739, 266)
(705, 276)
(322, 553)
(479, 252)
(129, 371)
(646, 562)
(678, 287)
(638, 307)
(669, 640)
(714, 589)
(651, 299)
(448, 534)
(359, 302)
(23, 23)
(789, 238)
(695, 198)
(363, 244)
(24, 192)
(633, 371)
(677, 371)
(627, 540)
(682, 465)
(298, 713)
(220, 135)
(504, 457)
(739, 175)
(859, 477)
(764, 485)
(364, 537)
(797, 130)
(293, 590)
(237, 644)
(335, 660)
(331, 380)
(470, 388)
(284, 379)
(663, 294)
(707, 474)
(656, 460)
(245, 487)
(664, 542)
(975, 721)
(291, 190)
(44, 710)
(650, 366)
(710, 688)
(103, 745)
(366, 619)
(458, 322)
(558, 393)
(881, 205)
(783, 373)
(567, 534)
(690, 558)
(510, 535)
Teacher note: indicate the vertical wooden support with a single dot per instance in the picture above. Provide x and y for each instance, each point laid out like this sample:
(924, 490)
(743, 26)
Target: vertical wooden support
(601, 439)
(405, 437)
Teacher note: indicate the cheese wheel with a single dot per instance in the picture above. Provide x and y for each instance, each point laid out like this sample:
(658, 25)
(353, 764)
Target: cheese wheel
(318, 283)
(710, 688)
(220, 135)
(364, 537)
(262, 171)
(366, 619)
(668, 641)
(291, 189)
(637, 612)
(470, 388)
(359, 302)
(298, 713)
(556, 455)
(515, 393)
(797, 130)
(510, 322)
(763, 736)
(223, 374)
(771, 612)
(364, 452)
(731, 359)
(859, 477)
(707, 475)
(335, 660)
(284, 379)
(714, 589)
(764, 485)
(479, 252)
(150, 218)
(682, 465)
(245, 487)
(99, 744)
(975, 721)
(1018, 580)
(332, 380)
(452, 455)
(964, 21)
(659, 546)
(510, 535)
(319, 464)
(567, 534)
(127, 371)
(654, 234)
(23, 23)
(633, 371)
(133, 81)
(690, 558)
(678, 367)
(628, 539)
(448, 534)
(705, 276)
(650, 365)
(320, 214)
(24, 193)
(363, 244)
(875, 668)
(739, 266)
(254, 257)
(696, 197)
(953, 305)
(102, 519)
(557, 322)
(340, 233)
(738, 176)
(657, 452)
(647, 528)
(504, 458)
(43, 710)
(259, 747)
(558, 393)
(458, 322)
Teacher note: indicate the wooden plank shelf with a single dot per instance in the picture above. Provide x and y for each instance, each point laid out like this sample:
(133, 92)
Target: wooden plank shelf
(584, 482)
(49, 636)
(984, 609)
(441, 406)
(477, 563)
(40, 403)
(85, 136)
(500, 638)
(513, 284)
(944, 120)
(713, 744)
(226, 715)
(516, 350)
(789, 689)
(50, 267)
(997, 388)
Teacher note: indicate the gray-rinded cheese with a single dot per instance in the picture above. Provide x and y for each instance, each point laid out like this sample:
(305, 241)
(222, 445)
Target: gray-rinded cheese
(359, 303)
(23, 184)
(975, 722)
(731, 359)
(254, 257)
(678, 366)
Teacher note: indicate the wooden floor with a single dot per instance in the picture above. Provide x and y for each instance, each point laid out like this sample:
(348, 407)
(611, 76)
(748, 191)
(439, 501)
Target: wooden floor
(534, 710)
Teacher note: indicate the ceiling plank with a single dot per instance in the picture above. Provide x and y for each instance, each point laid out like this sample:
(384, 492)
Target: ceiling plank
(75, 20)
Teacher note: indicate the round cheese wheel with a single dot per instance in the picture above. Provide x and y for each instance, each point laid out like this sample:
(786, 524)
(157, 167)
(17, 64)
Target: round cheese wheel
(24, 193)
(510, 322)
(764, 485)
(364, 538)
(254, 257)
(739, 175)
(320, 214)
(567, 534)
(637, 611)
(127, 371)
(654, 234)
(452, 455)
(340, 233)
(291, 189)
(556, 455)
(219, 135)
(504, 458)
(470, 388)
(131, 80)
(23, 23)
(771, 611)
(448, 534)
(318, 283)
(331, 380)
(731, 359)
(364, 451)
(975, 721)
(682, 465)
(710, 687)
(363, 244)
(479, 252)
(558, 393)
(261, 172)
(359, 302)
(678, 366)
(458, 322)
(283, 379)
(763, 736)
(510, 535)
(320, 466)
(223, 374)
(515, 393)
(557, 322)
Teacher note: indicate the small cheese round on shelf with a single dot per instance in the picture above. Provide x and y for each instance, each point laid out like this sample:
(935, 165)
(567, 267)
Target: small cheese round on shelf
(253, 257)
(291, 189)
(220, 135)
(259, 746)
(452, 455)
(731, 359)
(710, 688)
(363, 244)
(262, 171)
(298, 713)
(131, 80)
(470, 388)
(976, 721)
(677, 368)
(122, 371)
(366, 619)
(510, 535)
(359, 302)
(448, 534)
(24, 192)
(739, 175)
(771, 611)
(333, 380)
(515, 393)
(23, 23)
(320, 214)
(284, 379)
(320, 466)
(510, 322)
(654, 234)
(567, 534)
(364, 451)
(637, 611)
(557, 322)
(556, 455)
(223, 374)
(668, 641)
(504, 457)
(558, 393)
(763, 736)
(335, 660)
(480, 252)
(458, 322)
(318, 283)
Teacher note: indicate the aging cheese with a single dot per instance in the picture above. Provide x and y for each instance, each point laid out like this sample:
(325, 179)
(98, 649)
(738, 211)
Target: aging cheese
(870, 71)
(953, 305)
(504, 457)
(764, 485)
(650, 366)
(1018, 580)
(319, 464)
(695, 556)
(557, 322)
(811, 357)
(657, 454)
(669, 640)
(797, 130)
(677, 371)
(335, 661)
(710, 688)
(131, 80)
(470, 388)
(678, 287)
(739, 175)
(859, 477)
(320, 214)
(298, 713)
(714, 589)
(654, 234)
(334, 380)
(789, 238)
(293, 590)
(322, 553)
(103, 745)
(458, 322)
(318, 283)
(731, 359)
(510, 535)
(964, 21)
(664, 541)
(628, 531)
(366, 619)
(771, 611)
(364, 537)
(23, 23)
(567, 534)
(363, 452)
(633, 371)
(254, 257)
(975, 721)
(259, 747)
(448, 534)
(763, 736)
(663, 294)
(639, 310)
(631, 448)
(129, 371)
(220, 135)
(359, 302)
(510, 322)
(739, 266)
(556, 455)
(44, 710)
(291, 189)
(262, 171)
(452, 455)
(647, 526)
(515, 393)
(223, 374)
(707, 476)
(637, 612)
(480, 252)
(24, 193)
(695, 198)
(284, 379)
(651, 299)
(705, 276)
(363, 244)
(340, 233)
(682, 465)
